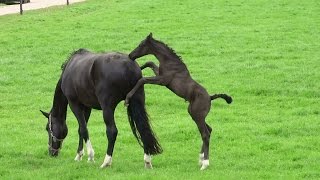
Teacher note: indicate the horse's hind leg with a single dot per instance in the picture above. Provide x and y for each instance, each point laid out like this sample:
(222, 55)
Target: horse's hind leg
(198, 111)
(112, 131)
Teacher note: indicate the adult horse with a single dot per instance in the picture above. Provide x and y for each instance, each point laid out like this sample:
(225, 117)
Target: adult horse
(173, 74)
(99, 81)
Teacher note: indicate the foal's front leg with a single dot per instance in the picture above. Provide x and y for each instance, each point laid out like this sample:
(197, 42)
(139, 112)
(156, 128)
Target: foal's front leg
(151, 65)
(80, 151)
(159, 80)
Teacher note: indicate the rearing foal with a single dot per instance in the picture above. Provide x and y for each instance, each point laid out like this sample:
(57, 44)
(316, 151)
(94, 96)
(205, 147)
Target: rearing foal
(173, 74)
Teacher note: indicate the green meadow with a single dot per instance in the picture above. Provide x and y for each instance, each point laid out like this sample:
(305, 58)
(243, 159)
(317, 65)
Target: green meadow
(264, 53)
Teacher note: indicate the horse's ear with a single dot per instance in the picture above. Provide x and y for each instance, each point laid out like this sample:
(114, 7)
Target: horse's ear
(45, 114)
(149, 36)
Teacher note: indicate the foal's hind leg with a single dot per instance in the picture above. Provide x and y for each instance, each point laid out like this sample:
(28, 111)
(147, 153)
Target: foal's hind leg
(198, 109)
(201, 156)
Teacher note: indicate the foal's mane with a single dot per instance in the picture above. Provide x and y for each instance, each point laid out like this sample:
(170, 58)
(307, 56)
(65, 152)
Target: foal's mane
(79, 51)
(169, 49)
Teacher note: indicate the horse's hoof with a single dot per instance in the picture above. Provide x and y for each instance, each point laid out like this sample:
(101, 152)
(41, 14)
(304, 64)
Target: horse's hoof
(105, 165)
(107, 162)
(205, 164)
(148, 165)
(91, 156)
(79, 156)
(90, 160)
(201, 158)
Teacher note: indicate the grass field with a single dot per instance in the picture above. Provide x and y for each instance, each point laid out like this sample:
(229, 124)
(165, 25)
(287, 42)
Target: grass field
(264, 53)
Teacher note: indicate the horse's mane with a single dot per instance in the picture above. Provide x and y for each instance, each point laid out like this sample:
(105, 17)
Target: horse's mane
(172, 51)
(79, 51)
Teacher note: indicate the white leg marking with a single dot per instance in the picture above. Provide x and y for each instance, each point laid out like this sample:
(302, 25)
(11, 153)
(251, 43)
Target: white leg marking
(201, 158)
(205, 164)
(90, 151)
(107, 161)
(147, 161)
(79, 155)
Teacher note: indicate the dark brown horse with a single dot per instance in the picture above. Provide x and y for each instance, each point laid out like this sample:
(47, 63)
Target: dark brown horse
(173, 74)
(99, 81)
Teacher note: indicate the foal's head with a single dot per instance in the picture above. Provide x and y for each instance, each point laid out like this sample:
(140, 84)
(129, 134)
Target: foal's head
(57, 131)
(143, 48)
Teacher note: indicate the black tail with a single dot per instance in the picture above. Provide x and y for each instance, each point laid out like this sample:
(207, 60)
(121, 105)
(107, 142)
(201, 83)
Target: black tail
(224, 96)
(139, 120)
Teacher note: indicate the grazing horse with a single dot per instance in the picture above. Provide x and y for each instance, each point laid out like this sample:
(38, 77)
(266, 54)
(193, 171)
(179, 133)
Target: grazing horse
(173, 74)
(99, 81)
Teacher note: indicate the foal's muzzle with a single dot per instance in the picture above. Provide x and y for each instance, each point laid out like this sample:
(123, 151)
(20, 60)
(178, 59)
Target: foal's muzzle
(131, 57)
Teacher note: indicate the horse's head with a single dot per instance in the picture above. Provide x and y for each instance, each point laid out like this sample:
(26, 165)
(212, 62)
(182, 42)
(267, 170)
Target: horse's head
(143, 48)
(57, 131)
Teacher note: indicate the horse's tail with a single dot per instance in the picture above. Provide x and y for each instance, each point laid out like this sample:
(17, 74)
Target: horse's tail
(140, 125)
(224, 96)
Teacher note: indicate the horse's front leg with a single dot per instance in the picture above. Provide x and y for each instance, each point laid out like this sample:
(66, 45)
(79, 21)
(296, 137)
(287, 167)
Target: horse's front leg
(82, 114)
(80, 151)
(159, 80)
(112, 131)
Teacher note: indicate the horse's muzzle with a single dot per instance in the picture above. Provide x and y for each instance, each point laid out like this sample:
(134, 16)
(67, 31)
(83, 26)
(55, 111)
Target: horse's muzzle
(53, 152)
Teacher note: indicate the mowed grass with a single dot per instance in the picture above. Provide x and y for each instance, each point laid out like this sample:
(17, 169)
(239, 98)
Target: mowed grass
(265, 54)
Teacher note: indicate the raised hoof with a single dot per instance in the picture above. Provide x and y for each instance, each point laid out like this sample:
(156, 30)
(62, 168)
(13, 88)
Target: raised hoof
(205, 164)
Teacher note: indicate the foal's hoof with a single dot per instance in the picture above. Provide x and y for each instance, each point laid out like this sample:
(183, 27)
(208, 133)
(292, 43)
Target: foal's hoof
(205, 164)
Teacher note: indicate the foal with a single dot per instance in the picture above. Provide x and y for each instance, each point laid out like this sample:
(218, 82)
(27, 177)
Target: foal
(173, 74)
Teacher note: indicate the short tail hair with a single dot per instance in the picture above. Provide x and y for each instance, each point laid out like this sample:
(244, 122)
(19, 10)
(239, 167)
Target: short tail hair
(223, 96)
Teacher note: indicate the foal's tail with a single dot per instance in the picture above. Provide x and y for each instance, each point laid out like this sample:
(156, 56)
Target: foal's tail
(139, 120)
(224, 96)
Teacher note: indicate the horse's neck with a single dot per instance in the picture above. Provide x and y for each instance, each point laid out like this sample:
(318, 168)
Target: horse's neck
(60, 102)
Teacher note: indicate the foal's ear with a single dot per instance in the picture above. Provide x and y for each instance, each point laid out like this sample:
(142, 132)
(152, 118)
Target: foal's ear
(45, 114)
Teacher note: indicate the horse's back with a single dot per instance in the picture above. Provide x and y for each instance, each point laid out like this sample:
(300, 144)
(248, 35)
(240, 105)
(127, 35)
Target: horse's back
(117, 71)
(89, 77)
